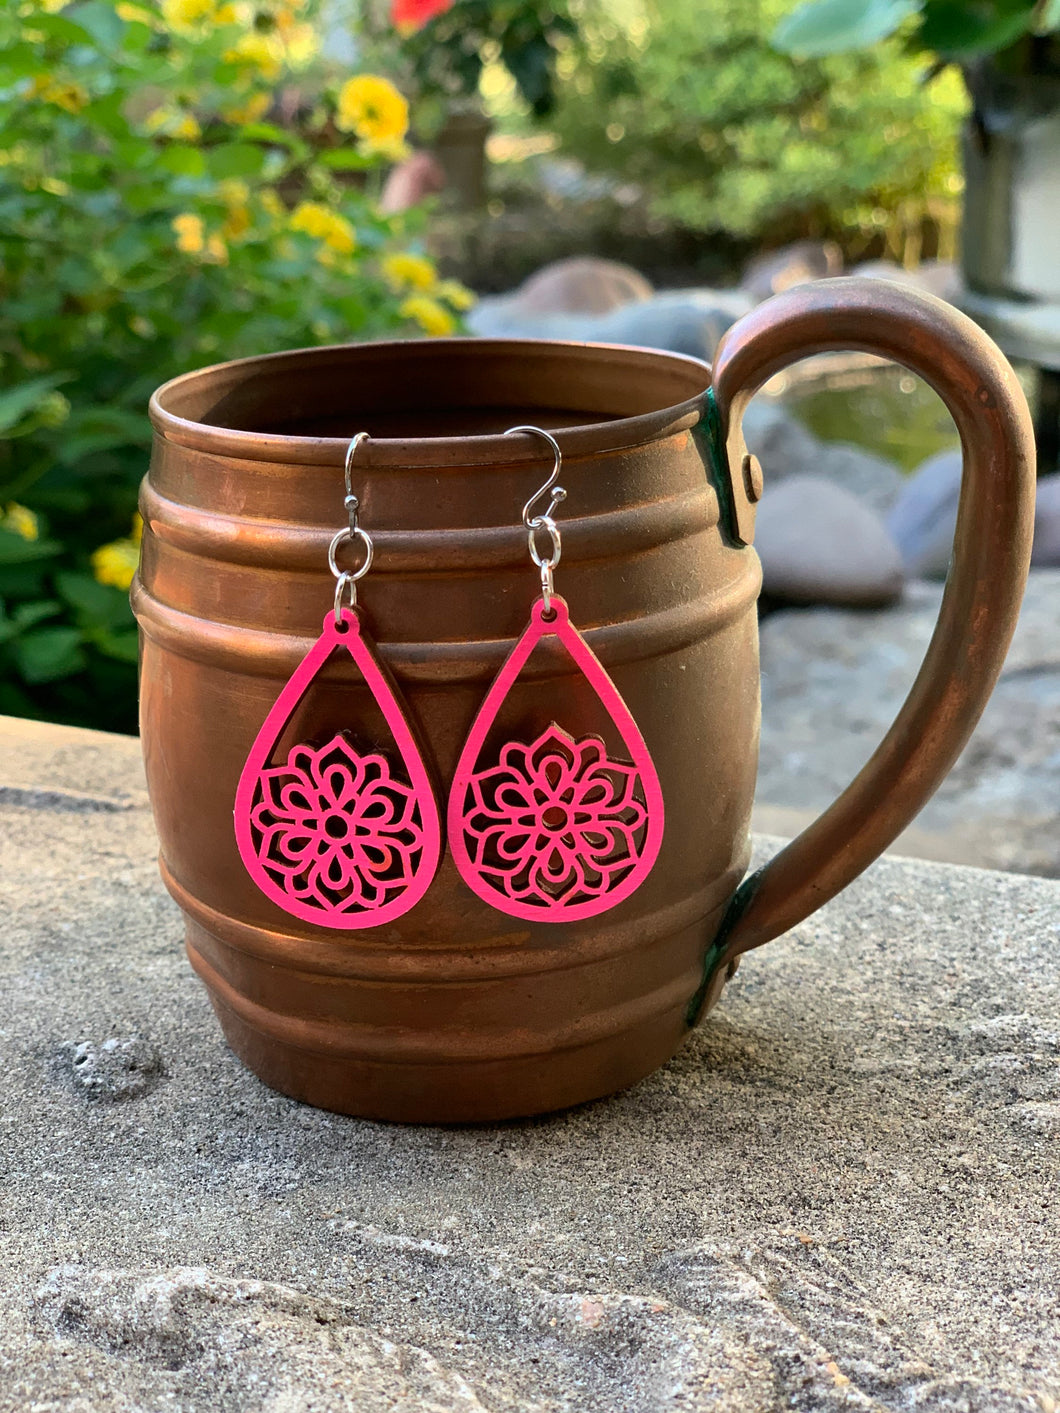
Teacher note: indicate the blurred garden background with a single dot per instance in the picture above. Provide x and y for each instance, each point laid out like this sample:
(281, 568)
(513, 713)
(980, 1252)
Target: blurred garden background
(186, 181)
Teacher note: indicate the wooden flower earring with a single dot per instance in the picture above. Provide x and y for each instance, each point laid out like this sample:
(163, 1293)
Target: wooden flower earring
(335, 834)
(554, 829)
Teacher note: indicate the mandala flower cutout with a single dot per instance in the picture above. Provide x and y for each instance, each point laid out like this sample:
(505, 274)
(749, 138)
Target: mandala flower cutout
(335, 829)
(557, 822)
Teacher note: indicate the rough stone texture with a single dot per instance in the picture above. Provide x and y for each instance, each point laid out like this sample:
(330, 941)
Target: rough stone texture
(792, 264)
(941, 278)
(682, 321)
(841, 1195)
(924, 515)
(819, 543)
(786, 448)
(832, 682)
(1046, 550)
(581, 284)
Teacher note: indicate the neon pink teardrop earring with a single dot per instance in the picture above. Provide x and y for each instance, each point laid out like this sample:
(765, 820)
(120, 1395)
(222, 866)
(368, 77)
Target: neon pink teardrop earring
(554, 829)
(336, 835)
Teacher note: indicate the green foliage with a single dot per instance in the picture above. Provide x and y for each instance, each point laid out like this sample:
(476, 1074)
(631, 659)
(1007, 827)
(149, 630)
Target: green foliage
(726, 134)
(955, 29)
(443, 60)
(153, 218)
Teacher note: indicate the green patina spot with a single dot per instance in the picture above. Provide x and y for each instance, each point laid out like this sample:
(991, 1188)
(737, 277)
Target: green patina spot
(707, 435)
(715, 954)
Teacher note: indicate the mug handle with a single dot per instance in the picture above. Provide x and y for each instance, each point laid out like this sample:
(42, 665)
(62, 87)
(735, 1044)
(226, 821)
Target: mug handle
(984, 587)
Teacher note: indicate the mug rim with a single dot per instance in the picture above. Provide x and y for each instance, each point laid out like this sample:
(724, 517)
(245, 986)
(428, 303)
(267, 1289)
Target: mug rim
(493, 448)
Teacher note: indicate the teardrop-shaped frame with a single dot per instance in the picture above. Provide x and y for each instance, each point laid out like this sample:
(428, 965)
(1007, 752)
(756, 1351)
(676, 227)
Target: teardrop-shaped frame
(556, 621)
(352, 637)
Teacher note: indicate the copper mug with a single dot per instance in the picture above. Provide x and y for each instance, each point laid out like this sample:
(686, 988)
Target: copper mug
(454, 1011)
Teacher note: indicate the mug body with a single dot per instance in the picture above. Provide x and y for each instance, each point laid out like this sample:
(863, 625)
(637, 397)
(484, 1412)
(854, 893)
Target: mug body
(454, 1011)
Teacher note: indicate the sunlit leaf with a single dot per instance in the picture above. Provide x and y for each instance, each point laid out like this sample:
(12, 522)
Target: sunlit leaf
(830, 26)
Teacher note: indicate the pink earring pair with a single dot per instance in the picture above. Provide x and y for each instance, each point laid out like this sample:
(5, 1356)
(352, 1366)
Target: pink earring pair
(548, 830)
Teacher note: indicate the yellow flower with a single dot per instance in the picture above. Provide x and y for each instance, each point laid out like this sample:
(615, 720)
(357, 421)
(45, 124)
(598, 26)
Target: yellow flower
(235, 195)
(393, 149)
(135, 14)
(300, 42)
(263, 52)
(186, 128)
(116, 563)
(191, 235)
(432, 317)
(404, 270)
(456, 295)
(193, 240)
(20, 521)
(311, 217)
(183, 14)
(372, 108)
(236, 223)
(272, 204)
(256, 106)
(216, 252)
(173, 123)
(320, 222)
(69, 96)
(233, 192)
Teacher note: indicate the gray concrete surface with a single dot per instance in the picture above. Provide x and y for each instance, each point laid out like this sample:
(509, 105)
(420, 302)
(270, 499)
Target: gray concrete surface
(843, 1193)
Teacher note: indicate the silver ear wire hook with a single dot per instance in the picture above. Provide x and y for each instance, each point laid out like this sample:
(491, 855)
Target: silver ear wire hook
(351, 502)
(533, 523)
(346, 579)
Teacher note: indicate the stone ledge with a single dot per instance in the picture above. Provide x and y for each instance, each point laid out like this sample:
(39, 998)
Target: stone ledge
(842, 1194)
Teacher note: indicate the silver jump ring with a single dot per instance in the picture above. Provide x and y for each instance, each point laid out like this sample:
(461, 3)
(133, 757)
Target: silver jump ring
(547, 588)
(347, 537)
(544, 522)
(342, 583)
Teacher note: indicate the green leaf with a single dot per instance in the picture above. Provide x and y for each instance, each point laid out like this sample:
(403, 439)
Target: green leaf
(102, 22)
(15, 550)
(235, 159)
(23, 398)
(48, 654)
(96, 605)
(962, 28)
(278, 137)
(62, 29)
(182, 160)
(28, 615)
(1048, 17)
(122, 646)
(347, 159)
(23, 581)
(829, 26)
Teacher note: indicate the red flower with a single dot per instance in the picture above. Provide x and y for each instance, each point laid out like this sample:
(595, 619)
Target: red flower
(414, 14)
